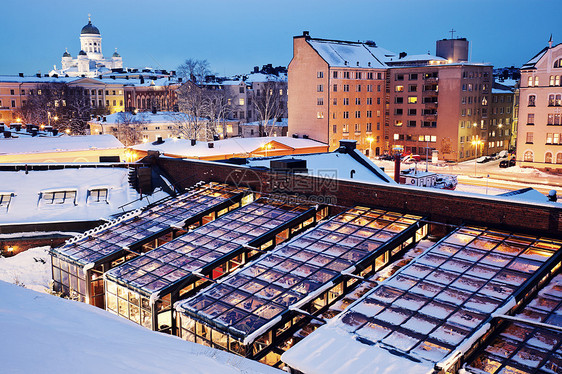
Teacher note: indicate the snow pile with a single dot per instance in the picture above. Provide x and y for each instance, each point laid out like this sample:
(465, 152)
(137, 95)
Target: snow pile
(30, 269)
(46, 334)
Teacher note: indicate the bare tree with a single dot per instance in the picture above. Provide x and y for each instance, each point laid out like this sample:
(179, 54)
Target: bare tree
(192, 118)
(60, 105)
(128, 128)
(194, 70)
(218, 109)
(268, 104)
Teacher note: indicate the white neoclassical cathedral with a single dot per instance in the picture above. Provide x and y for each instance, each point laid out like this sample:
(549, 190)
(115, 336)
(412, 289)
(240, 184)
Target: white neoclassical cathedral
(90, 61)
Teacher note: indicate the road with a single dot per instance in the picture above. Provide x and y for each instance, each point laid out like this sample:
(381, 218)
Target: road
(489, 173)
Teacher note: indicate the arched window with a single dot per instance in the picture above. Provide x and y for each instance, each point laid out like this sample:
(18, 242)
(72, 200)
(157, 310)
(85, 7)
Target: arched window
(528, 156)
(551, 100)
(558, 101)
(548, 158)
(559, 158)
(558, 63)
(531, 100)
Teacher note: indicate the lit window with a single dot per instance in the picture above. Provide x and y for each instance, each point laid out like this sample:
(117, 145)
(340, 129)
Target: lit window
(433, 138)
(399, 89)
(528, 156)
(398, 123)
(396, 136)
(241, 101)
(98, 195)
(412, 99)
(320, 115)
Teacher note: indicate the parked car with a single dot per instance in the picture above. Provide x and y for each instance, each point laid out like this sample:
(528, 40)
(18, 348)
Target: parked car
(483, 159)
(503, 154)
(386, 157)
(507, 163)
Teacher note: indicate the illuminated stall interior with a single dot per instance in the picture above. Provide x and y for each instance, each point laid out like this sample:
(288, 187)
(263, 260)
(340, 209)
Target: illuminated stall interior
(435, 309)
(145, 289)
(78, 266)
(251, 311)
(530, 344)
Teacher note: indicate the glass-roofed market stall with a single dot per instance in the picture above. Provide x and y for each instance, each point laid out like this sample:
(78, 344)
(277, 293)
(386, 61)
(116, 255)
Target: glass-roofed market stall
(250, 311)
(145, 289)
(529, 342)
(430, 314)
(78, 266)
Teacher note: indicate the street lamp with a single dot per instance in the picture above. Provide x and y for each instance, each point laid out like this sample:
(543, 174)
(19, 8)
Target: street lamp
(266, 147)
(370, 139)
(476, 143)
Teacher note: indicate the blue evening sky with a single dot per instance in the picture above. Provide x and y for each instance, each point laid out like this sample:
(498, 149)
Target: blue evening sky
(235, 35)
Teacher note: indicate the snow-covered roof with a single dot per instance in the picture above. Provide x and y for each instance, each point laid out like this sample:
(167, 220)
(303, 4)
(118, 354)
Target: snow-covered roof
(528, 194)
(35, 79)
(532, 62)
(349, 54)
(231, 146)
(142, 117)
(48, 334)
(422, 57)
(260, 77)
(431, 311)
(284, 123)
(335, 165)
(27, 189)
(58, 144)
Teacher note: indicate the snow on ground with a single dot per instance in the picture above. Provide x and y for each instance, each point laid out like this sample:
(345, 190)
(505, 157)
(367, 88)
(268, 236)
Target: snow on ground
(45, 334)
(30, 269)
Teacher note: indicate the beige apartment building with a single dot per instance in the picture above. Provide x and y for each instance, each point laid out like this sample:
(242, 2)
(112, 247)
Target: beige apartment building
(337, 91)
(539, 142)
(391, 102)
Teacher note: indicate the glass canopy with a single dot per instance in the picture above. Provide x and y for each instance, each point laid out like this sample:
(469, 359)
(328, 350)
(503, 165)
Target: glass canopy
(247, 303)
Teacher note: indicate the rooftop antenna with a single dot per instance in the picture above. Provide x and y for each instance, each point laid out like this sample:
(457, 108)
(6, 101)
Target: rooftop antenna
(89, 18)
(452, 32)
(550, 41)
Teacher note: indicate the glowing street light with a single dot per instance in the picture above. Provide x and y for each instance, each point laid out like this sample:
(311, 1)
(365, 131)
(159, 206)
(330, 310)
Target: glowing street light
(476, 143)
(67, 131)
(370, 139)
(266, 147)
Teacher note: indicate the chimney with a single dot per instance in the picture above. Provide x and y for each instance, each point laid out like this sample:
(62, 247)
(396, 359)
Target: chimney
(347, 146)
(193, 142)
(21, 75)
(552, 196)
(397, 167)
(7, 134)
(211, 145)
(402, 55)
(306, 34)
(158, 141)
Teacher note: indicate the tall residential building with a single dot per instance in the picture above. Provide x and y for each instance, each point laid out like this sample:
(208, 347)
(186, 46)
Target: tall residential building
(390, 102)
(337, 91)
(539, 142)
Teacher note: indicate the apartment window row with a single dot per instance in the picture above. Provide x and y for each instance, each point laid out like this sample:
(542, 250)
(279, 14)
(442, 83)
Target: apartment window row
(356, 75)
(533, 81)
(474, 87)
(401, 77)
(555, 100)
(554, 80)
(474, 74)
(413, 138)
(501, 99)
(554, 119)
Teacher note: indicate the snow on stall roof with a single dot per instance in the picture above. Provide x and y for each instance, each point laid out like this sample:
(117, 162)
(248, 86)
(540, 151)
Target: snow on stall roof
(142, 117)
(58, 144)
(230, 146)
(333, 165)
(25, 206)
(46, 334)
(346, 54)
(346, 356)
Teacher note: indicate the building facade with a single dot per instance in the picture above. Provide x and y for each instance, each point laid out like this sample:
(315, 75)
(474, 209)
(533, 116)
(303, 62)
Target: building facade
(391, 102)
(539, 134)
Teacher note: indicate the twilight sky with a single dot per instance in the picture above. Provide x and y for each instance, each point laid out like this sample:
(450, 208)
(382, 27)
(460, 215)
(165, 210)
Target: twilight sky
(235, 35)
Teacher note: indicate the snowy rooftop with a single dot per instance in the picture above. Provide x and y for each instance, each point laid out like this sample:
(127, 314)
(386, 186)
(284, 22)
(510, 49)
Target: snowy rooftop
(284, 122)
(298, 271)
(65, 195)
(58, 144)
(350, 54)
(423, 57)
(47, 334)
(142, 117)
(335, 166)
(203, 249)
(530, 340)
(233, 147)
(131, 230)
(35, 79)
(432, 310)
